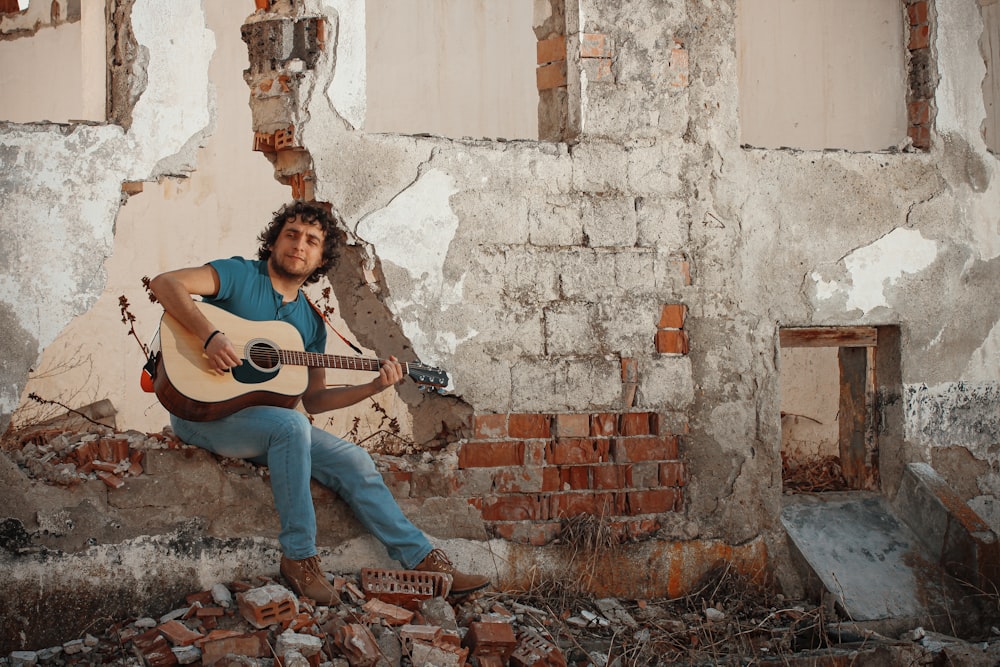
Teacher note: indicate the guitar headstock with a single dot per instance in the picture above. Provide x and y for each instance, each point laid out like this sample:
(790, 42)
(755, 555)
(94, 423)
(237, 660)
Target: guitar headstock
(427, 376)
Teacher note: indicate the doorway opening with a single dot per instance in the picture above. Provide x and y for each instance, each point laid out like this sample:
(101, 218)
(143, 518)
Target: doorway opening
(831, 414)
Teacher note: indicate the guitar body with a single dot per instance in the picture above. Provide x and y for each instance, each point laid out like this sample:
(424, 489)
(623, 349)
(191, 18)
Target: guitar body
(187, 387)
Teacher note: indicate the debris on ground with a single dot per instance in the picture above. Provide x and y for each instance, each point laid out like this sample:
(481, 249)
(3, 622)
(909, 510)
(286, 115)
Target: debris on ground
(390, 618)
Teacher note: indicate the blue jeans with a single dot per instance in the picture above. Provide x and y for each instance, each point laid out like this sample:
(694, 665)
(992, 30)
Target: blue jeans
(295, 450)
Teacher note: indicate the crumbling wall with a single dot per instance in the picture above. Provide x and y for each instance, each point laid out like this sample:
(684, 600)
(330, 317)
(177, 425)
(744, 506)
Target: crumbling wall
(608, 300)
(62, 187)
(539, 273)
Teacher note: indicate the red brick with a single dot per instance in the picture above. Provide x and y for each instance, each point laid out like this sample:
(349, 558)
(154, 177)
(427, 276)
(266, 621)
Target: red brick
(573, 504)
(529, 426)
(672, 341)
(917, 13)
(550, 479)
(573, 426)
(921, 136)
(490, 426)
(919, 112)
(155, 649)
(673, 473)
(490, 638)
(604, 424)
(569, 451)
(537, 534)
(551, 50)
(178, 633)
(652, 448)
(267, 604)
(551, 76)
(249, 645)
(634, 529)
(576, 478)
(514, 508)
(630, 369)
(637, 423)
(654, 501)
(491, 454)
(595, 45)
(611, 477)
(521, 479)
(920, 37)
(672, 316)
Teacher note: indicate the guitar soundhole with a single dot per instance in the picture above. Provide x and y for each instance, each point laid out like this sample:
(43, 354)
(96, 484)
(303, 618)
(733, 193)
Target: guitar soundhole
(262, 355)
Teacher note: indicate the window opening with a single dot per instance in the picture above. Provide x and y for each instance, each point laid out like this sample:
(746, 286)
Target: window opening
(451, 68)
(830, 409)
(61, 57)
(854, 74)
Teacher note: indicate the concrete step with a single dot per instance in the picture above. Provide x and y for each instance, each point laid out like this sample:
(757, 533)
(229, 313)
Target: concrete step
(891, 569)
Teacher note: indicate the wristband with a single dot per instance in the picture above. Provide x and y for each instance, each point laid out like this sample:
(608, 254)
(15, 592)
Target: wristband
(209, 339)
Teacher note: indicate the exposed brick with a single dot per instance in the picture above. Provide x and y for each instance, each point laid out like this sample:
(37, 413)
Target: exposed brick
(679, 68)
(573, 504)
(920, 37)
(514, 508)
(595, 45)
(673, 473)
(636, 423)
(919, 112)
(604, 425)
(551, 76)
(645, 475)
(576, 478)
(529, 426)
(597, 69)
(491, 454)
(920, 136)
(155, 649)
(490, 638)
(551, 50)
(178, 633)
(917, 13)
(269, 604)
(535, 651)
(651, 448)
(550, 479)
(521, 479)
(653, 501)
(672, 341)
(534, 533)
(672, 316)
(489, 426)
(609, 477)
(573, 426)
(569, 451)
(630, 530)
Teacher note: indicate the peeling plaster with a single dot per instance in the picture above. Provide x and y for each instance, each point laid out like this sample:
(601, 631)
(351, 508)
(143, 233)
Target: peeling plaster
(953, 414)
(413, 232)
(346, 91)
(875, 266)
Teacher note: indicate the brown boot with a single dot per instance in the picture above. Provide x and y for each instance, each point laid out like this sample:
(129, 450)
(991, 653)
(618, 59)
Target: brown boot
(307, 580)
(461, 583)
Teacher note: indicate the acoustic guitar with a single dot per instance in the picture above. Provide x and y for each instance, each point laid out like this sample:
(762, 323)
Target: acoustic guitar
(274, 370)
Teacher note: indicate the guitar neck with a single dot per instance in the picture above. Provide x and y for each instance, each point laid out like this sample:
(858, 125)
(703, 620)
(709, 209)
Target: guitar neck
(317, 360)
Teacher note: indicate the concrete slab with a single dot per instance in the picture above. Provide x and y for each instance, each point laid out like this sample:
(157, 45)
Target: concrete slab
(861, 553)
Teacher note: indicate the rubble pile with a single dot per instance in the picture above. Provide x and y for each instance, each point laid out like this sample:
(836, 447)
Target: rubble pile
(397, 618)
(388, 618)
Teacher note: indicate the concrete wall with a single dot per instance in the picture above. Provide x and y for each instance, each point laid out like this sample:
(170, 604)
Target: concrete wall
(608, 306)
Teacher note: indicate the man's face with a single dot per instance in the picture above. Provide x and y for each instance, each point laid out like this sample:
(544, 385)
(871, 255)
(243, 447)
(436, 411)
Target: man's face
(298, 250)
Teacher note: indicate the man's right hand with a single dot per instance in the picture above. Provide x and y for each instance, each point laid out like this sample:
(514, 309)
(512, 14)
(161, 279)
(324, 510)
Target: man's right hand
(221, 354)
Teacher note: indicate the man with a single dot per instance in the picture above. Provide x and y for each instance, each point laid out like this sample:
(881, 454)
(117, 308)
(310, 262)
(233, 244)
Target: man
(297, 248)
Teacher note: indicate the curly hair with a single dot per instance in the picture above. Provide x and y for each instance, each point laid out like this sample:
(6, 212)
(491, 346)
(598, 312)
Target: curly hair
(312, 213)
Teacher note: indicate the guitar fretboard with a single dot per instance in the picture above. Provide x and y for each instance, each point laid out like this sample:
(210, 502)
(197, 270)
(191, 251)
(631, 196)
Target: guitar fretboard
(317, 360)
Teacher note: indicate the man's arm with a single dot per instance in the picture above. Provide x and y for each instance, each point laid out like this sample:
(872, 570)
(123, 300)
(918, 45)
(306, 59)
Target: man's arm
(320, 398)
(174, 289)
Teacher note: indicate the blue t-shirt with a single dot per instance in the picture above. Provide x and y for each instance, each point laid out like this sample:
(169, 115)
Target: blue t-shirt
(245, 291)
